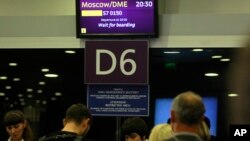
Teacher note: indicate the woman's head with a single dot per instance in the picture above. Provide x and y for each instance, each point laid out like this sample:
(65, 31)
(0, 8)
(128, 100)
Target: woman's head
(16, 125)
(161, 132)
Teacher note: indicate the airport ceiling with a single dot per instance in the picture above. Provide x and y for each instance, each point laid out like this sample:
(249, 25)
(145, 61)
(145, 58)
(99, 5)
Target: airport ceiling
(175, 73)
(23, 83)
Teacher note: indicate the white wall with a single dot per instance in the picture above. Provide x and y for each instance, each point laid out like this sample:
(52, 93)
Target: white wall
(37, 7)
(183, 23)
(204, 6)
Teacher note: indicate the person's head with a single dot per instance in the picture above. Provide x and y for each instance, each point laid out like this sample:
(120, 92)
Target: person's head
(79, 116)
(161, 132)
(17, 126)
(134, 129)
(187, 109)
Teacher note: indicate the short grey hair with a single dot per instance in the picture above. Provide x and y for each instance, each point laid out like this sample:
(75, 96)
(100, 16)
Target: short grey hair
(189, 107)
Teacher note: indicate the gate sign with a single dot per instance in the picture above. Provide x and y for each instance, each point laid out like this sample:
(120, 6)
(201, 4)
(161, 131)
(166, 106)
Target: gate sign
(116, 62)
(123, 100)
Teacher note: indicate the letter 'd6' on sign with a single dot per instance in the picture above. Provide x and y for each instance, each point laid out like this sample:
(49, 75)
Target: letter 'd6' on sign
(116, 62)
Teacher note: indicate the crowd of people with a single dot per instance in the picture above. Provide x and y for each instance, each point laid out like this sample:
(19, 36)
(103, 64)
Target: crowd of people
(187, 123)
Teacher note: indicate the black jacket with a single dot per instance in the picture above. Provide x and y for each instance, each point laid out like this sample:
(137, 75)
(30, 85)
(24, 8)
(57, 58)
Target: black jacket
(63, 136)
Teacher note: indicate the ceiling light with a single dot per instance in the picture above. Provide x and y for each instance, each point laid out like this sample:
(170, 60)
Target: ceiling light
(8, 87)
(44, 102)
(41, 83)
(29, 90)
(20, 95)
(232, 95)
(12, 64)
(216, 56)
(211, 74)
(51, 75)
(37, 101)
(171, 52)
(3, 77)
(53, 99)
(39, 91)
(197, 50)
(45, 70)
(16, 79)
(224, 59)
(6, 98)
(29, 95)
(2, 94)
(21, 99)
(58, 94)
(70, 51)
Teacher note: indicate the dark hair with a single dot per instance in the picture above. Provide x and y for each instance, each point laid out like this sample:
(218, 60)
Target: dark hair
(15, 117)
(169, 121)
(77, 112)
(134, 125)
(207, 121)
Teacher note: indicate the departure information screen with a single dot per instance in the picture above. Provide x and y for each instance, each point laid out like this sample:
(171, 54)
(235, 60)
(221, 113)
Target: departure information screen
(110, 18)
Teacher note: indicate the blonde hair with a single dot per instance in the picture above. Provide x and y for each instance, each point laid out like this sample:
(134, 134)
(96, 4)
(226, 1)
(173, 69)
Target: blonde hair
(161, 132)
(204, 132)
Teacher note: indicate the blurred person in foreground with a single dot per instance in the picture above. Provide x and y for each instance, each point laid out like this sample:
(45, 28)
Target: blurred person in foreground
(17, 126)
(134, 129)
(76, 123)
(237, 107)
(187, 113)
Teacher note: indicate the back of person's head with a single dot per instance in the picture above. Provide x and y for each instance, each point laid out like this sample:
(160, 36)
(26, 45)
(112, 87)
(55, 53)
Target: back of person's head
(134, 125)
(189, 108)
(14, 117)
(161, 132)
(77, 112)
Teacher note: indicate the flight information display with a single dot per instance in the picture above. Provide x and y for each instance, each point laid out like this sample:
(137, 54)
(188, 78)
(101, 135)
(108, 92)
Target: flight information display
(116, 18)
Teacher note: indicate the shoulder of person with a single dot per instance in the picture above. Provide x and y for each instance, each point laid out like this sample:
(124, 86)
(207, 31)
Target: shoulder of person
(59, 136)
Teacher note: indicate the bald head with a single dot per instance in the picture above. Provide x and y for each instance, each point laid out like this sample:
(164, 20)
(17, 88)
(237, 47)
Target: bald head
(189, 108)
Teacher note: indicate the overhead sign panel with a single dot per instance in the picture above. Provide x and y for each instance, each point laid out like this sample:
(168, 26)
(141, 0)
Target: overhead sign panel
(116, 62)
(116, 18)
